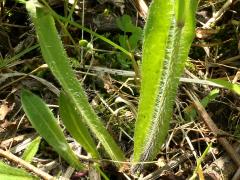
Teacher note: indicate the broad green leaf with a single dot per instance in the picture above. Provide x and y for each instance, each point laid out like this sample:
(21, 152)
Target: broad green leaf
(125, 24)
(135, 38)
(75, 125)
(46, 125)
(31, 150)
(228, 85)
(10, 173)
(57, 60)
(168, 35)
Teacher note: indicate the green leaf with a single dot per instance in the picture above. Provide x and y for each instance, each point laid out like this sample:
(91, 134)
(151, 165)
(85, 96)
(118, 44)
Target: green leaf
(191, 113)
(75, 24)
(46, 125)
(168, 35)
(6, 62)
(198, 168)
(135, 38)
(123, 41)
(31, 150)
(57, 60)
(125, 24)
(228, 85)
(10, 173)
(75, 125)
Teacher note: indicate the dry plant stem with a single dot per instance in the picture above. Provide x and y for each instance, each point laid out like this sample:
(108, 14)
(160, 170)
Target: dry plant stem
(218, 14)
(24, 76)
(236, 175)
(117, 72)
(68, 173)
(222, 167)
(230, 60)
(212, 126)
(46, 83)
(25, 164)
(141, 7)
(170, 166)
(236, 77)
(7, 142)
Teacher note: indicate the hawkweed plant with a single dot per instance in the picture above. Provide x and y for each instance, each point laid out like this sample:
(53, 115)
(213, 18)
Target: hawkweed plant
(168, 35)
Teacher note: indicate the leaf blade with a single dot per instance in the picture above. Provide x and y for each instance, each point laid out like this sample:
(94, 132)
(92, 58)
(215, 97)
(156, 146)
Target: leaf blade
(165, 50)
(228, 85)
(46, 125)
(31, 150)
(72, 121)
(56, 58)
(11, 173)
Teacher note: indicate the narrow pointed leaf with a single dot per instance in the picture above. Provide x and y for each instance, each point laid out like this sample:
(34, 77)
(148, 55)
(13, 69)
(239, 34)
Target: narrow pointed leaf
(31, 150)
(228, 85)
(10, 173)
(46, 125)
(168, 34)
(57, 60)
(73, 122)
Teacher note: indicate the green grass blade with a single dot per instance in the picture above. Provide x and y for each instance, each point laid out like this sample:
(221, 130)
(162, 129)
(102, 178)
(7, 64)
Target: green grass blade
(199, 161)
(165, 50)
(75, 126)
(46, 125)
(5, 62)
(10, 173)
(31, 150)
(56, 58)
(228, 85)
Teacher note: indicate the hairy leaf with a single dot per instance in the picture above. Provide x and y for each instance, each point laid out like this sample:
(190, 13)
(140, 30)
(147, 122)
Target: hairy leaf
(74, 124)
(46, 125)
(168, 35)
(57, 60)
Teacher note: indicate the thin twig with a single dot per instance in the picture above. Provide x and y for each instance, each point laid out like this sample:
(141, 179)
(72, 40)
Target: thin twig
(222, 167)
(170, 166)
(218, 14)
(212, 126)
(230, 60)
(100, 70)
(25, 164)
(141, 7)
